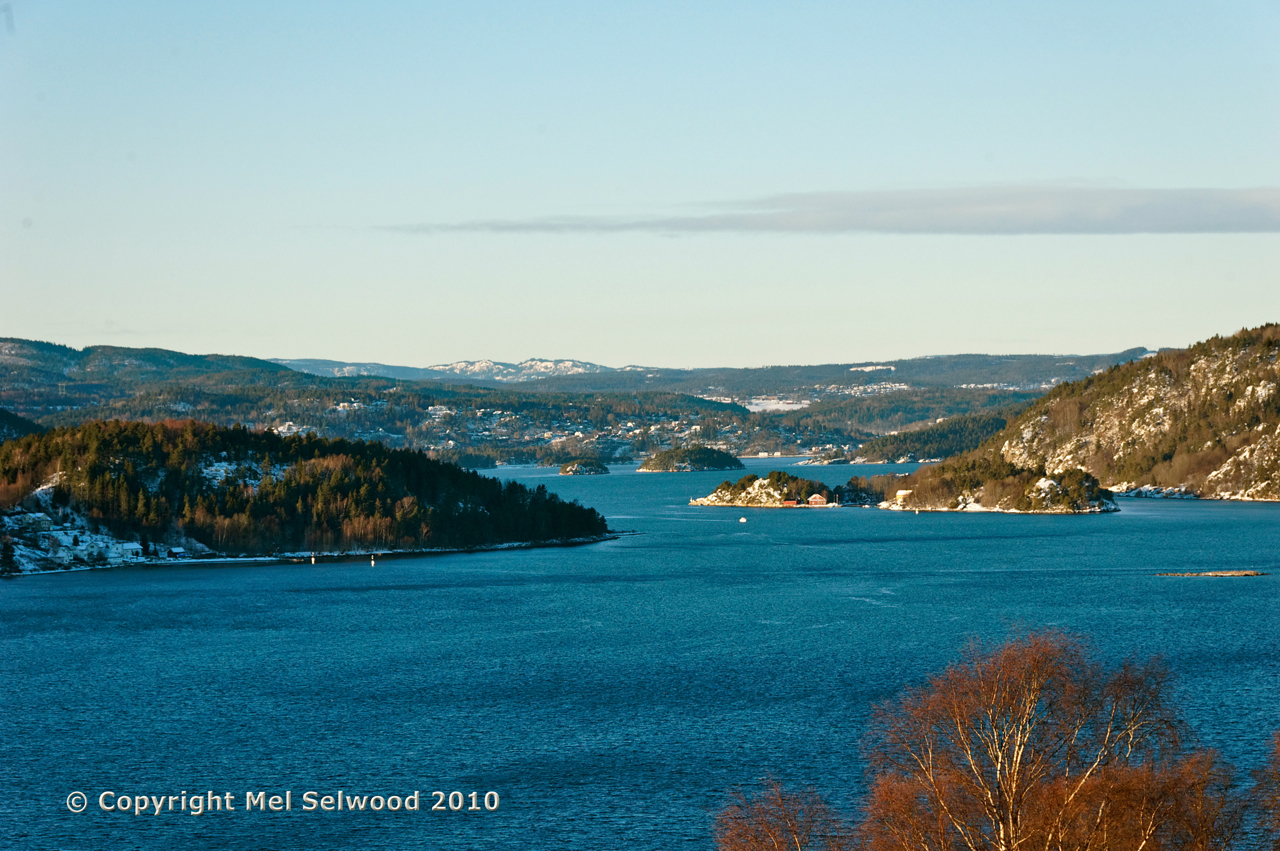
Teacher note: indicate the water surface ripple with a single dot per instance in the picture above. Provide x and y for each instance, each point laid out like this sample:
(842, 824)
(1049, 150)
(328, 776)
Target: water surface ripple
(610, 694)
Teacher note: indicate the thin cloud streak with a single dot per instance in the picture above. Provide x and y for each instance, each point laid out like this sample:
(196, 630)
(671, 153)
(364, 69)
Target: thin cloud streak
(976, 211)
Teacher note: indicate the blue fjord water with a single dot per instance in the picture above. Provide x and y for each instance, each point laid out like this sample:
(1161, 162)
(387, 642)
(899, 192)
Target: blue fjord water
(609, 694)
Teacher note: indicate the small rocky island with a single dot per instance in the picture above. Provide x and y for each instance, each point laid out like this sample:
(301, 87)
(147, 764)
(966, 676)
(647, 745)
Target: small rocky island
(584, 467)
(783, 490)
(691, 459)
(1218, 573)
(978, 482)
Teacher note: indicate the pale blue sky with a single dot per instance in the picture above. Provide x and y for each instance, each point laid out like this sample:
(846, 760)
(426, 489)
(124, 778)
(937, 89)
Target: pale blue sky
(682, 184)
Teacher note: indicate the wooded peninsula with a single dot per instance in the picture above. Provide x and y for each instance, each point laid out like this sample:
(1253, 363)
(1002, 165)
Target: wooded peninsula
(239, 491)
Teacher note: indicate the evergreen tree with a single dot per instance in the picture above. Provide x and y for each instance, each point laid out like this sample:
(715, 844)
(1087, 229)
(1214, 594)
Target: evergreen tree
(8, 557)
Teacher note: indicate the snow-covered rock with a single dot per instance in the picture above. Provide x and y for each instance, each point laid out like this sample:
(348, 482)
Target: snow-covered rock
(759, 494)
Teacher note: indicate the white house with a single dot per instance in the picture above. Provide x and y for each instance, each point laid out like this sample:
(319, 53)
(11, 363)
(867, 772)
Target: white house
(36, 522)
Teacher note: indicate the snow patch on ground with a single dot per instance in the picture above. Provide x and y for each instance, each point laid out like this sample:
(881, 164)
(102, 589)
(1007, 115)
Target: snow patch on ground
(218, 472)
(1151, 491)
(1253, 473)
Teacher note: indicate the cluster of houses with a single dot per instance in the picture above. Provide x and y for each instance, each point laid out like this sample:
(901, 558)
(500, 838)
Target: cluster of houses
(815, 501)
(67, 546)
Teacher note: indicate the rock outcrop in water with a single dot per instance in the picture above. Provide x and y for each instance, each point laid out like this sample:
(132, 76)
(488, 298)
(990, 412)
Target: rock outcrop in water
(690, 459)
(584, 467)
(783, 490)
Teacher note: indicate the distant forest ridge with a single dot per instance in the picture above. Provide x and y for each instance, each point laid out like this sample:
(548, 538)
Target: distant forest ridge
(31, 362)
(598, 413)
(1020, 371)
(483, 370)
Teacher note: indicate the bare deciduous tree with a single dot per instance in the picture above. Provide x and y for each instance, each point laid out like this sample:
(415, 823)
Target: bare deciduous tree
(1267, 797)
(774, 819)
(1037, 747)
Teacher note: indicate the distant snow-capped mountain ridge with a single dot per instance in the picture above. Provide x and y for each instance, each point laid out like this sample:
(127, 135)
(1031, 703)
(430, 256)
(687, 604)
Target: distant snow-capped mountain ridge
(1022, 373)
(526, 370)
(486, 370)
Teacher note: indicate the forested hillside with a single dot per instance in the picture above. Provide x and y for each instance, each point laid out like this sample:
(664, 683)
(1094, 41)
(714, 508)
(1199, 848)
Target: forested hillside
(942, 440)
(240, 491)
(38, 378)
(1203, 420)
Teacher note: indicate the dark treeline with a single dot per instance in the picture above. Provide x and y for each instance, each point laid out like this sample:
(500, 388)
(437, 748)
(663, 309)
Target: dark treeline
(243, 491)
(12, 425)
(486, 457)
(942, 440)
(857, 416)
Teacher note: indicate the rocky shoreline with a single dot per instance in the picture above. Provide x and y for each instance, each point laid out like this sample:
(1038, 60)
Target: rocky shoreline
(30, 567)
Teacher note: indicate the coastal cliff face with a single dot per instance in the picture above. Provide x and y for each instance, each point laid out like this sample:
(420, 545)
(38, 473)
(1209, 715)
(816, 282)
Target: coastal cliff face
(1203, 420)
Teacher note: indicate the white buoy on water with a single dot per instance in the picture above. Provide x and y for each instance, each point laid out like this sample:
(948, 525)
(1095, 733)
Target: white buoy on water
(742, 520)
